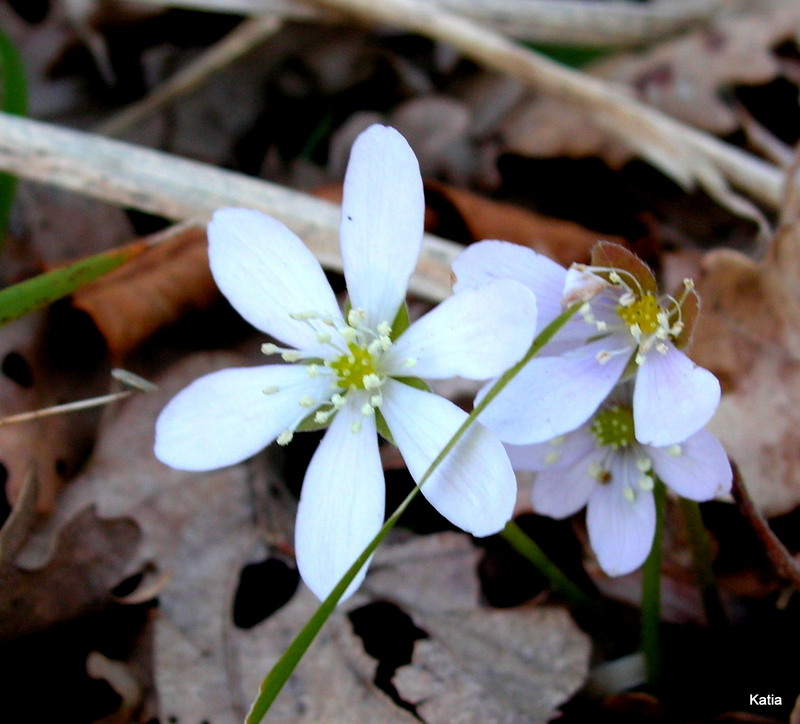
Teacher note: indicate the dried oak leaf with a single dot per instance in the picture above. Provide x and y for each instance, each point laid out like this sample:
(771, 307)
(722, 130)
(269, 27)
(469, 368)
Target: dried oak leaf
(683, 77)
(152, 291)
(477, 664)
(89, 558)
(201, 528)
(748, 334)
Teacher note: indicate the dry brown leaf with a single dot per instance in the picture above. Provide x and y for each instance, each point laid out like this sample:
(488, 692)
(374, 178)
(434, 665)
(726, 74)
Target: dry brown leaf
(477, 664)
(683, 77)
(53, 446)
(563, 241)
(89, 558)
(686, 77)
(748, 334)
(152, 291)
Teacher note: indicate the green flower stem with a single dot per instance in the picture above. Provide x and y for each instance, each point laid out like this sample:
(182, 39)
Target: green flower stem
(651, 593)
(280, 673)
(527, 547)
(700, 545)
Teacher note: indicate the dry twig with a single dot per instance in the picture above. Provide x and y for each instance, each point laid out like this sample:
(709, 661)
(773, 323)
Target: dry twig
(176, 188)
(687, 155)
(613, 24)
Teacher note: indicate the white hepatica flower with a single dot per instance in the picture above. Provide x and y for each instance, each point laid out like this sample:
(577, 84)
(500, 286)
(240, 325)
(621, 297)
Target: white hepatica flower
(602, 466)
(624, 330)
(352, 367)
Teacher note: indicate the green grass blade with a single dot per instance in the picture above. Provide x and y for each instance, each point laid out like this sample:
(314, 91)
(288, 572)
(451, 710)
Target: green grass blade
(20, 299)
(14, 96)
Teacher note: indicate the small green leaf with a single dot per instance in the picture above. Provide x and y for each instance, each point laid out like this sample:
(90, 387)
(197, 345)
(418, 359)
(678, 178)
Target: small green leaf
(401, 322)
(414, 382)
(39, 291)
(383, 428)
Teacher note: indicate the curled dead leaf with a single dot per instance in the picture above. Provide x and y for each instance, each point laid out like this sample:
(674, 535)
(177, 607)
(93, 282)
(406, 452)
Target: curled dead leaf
(154, 290)
(748, 334)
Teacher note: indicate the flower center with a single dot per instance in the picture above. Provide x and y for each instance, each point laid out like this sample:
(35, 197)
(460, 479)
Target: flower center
(357, 369)
(613, 427)
(644, 313)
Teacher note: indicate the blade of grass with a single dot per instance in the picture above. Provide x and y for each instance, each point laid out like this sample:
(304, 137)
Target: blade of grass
(20, 299)
(15, 101)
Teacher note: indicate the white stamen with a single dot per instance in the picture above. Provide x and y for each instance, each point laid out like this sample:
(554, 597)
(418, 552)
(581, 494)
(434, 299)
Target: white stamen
(323, 337)
(410, 362)
(675, 451)
(367, 410)
(371, 381)
(313, 371)
(270, 390)
(337, 401)
(552, 457)
(356, 317)
(303, 316)
(629, 494)
(306, 401)
(646, 483)
(376, 400)
(270, 348)
(322, 416)
(348, 334)
(385, 329)
(291, 356)
(356, 426)
(285, 437)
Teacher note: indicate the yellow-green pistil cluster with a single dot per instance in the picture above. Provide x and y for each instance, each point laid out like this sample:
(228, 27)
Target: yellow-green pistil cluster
(353, 368)
(613, 429)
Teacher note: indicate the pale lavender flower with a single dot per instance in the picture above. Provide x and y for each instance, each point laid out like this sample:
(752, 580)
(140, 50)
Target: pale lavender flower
(353, 368)
(602, 466)
(623, 330)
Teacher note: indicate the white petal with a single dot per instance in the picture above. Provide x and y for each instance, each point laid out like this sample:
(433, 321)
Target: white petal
(341, 504)
(476, 334)
(225, 417)
(383, 212)
(267, 273)
(474, 488)
(673, 398)
(558, 453)
(620, 531)
(552, 395)
(488, 261)
(562, 492)
(697, 469)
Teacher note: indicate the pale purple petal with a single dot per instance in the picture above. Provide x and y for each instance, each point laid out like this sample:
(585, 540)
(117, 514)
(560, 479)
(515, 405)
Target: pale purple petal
(562, 492)
(476, 334)
(341, 504)
(673, 398)
(225, 417)
(621, 531)
(697, 469)
(560, 452)
(552, 395)
(488, 261)
(383, 212)
(267, 273)
(474, 488)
